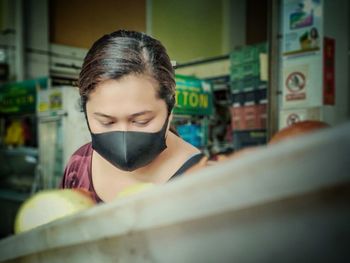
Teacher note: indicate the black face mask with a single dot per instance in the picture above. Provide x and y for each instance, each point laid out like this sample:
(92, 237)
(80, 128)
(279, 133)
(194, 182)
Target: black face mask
(129, 150)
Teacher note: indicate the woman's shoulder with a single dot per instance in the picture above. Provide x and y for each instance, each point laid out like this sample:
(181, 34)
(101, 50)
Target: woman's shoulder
(185, 148)
(193, 163)
(81, 155)
(83, 151)
(189, 158)
(76, 173)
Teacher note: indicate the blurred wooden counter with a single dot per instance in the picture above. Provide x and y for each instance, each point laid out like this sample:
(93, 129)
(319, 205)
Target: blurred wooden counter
(285, 203)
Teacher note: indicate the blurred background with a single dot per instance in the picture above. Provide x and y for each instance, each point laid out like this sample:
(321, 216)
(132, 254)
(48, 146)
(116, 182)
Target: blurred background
(244, 70)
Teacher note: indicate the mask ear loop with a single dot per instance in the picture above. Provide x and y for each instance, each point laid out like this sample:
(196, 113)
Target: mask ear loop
(165, 125)
(170, 109)
(86, 118)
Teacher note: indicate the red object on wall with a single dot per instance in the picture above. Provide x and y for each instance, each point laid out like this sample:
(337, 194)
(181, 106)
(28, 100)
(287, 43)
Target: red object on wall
(329, 71)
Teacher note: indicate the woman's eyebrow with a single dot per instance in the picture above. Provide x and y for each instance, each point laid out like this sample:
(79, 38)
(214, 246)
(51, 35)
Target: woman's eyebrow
(140, 113)
(132, 115)
(103, 115)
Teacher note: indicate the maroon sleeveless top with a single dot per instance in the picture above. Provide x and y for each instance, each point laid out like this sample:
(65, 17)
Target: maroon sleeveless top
(77, 173)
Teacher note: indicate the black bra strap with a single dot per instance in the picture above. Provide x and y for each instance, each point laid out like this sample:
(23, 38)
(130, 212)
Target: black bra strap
(187, 165)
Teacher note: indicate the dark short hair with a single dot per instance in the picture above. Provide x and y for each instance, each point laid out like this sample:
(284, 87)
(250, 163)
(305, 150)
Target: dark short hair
(122, 53)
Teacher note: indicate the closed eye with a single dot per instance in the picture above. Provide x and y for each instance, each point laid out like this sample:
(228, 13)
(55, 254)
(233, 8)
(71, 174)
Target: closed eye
(140, 122)
(107, 123)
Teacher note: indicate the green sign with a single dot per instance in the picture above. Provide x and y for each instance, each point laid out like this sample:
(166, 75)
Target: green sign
(20, 97)
(193, 96)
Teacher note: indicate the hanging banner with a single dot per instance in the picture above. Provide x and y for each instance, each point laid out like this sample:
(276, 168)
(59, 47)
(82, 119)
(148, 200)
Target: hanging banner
(329, 71)
(20, 97)
(302, 26)
(193, 96)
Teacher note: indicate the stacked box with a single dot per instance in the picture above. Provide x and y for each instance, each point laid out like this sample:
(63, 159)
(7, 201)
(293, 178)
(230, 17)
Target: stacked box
(248, 84)
(255, 117)
(237, 118)
(236, 58)
(261, 96)
(247, 54)
(236, 74)
(250, 69)
(262, 116)
(249, 97)
(242, 139)
(248, 117)
(237, 99)
(261, 48)
(245, 68)
(261, 85)
(237, 86)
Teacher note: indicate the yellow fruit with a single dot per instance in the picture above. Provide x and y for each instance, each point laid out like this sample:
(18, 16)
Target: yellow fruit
(134, 189)
(49, 205)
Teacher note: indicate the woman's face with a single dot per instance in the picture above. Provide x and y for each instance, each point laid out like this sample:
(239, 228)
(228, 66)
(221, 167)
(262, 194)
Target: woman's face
(313, 33)
(128, 104)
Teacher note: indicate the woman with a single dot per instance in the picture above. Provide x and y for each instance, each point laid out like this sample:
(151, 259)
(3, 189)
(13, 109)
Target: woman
(127, 91)
(314, 38)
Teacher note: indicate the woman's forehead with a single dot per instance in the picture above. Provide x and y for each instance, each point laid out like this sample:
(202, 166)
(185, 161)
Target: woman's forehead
(129, 94)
